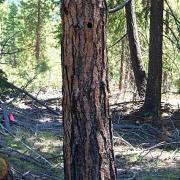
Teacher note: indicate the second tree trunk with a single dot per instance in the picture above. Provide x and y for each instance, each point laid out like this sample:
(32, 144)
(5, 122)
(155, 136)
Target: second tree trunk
(135, 51)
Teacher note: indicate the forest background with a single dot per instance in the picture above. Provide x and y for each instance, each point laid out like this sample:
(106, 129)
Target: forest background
(30, 33)
(30, 61)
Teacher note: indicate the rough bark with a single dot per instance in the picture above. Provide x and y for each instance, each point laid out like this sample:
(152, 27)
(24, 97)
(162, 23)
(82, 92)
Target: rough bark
(135, 51)
(152, 102)
(88, 149)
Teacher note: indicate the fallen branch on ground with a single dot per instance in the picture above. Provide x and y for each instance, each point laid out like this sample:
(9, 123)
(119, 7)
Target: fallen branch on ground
(156, 146)
(32, 97)
(32, 150)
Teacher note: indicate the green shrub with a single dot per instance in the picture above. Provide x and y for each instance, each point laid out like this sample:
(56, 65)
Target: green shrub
(5, 89)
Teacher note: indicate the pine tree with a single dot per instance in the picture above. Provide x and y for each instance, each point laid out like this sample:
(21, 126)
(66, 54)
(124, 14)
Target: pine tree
(88, 151)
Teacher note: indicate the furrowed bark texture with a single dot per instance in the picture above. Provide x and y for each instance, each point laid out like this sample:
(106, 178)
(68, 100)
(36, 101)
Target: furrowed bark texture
(154, 81)
(88, 151)
(135, 51)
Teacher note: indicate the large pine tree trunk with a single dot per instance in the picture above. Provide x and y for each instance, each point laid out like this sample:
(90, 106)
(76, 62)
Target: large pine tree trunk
(88, 149)
(153, 91)
(135, 51)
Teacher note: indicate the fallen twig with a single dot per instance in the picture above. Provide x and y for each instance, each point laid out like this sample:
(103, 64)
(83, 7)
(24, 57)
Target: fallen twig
(126, 102)
(32, 97)
(14, 153)
(156, 146)
(33, 151)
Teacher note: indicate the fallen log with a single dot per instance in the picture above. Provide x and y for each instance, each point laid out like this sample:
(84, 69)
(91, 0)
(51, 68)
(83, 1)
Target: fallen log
(59, 99)
(126, 102)
(32, 97)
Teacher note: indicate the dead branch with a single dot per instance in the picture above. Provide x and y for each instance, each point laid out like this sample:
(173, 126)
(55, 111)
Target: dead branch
(59, 99)
(14, 153)
(119, 40)
(119, 7)
(32, 97)
(32, 150)
(126, 102)
(157, 146)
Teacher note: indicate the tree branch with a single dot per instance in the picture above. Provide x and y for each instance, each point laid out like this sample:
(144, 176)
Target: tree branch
(174, 16)
(118, 41)
(12, 86)
(119, 7)
(173, 34)
(13, 52)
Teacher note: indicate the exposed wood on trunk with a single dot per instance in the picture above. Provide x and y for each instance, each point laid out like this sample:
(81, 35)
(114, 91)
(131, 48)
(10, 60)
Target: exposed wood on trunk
(135, 51)
(88, 151)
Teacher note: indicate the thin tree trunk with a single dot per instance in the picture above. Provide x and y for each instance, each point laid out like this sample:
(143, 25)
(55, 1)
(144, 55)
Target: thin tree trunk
(167, 22)
(13, 43)
(135, 51)
(152, 102)
(88, 149)
(38, 31)
(146, 3)
(121, 71)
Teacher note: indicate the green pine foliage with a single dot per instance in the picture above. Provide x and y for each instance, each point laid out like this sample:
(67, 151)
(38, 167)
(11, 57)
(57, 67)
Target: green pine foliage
(19, 26)
(171, 41)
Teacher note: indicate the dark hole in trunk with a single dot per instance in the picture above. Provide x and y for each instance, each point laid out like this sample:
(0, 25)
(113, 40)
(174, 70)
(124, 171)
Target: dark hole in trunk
(89, 25)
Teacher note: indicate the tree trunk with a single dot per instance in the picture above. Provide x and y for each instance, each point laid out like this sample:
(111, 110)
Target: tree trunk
(38, 31)
(167, 22)
(146, 3)
(88, 149)
(135, 51)
(152, 102)
(121, 71)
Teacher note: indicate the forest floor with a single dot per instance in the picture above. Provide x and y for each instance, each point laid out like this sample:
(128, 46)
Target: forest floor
(33, 145)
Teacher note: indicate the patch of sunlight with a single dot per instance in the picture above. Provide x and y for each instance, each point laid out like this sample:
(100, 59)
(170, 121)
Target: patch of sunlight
(45, 119)
(48, 146)
(46, 142)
